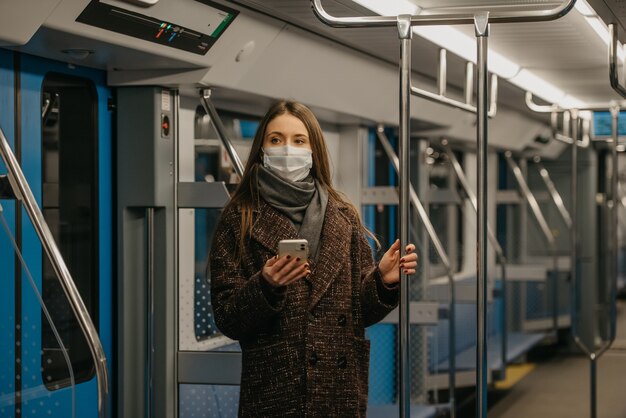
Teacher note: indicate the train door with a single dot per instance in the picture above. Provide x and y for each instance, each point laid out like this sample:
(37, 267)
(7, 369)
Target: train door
(57, 119)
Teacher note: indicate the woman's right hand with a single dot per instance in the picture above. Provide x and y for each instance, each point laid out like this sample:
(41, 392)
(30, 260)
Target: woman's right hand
(284, 271)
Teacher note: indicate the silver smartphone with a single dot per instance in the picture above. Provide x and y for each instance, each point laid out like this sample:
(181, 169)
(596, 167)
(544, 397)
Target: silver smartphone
(296, 248)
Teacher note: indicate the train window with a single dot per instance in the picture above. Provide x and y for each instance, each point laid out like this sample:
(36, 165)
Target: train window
(70, 206)
(212, 161)
(204, 322)
(198, 331)
(509, 216)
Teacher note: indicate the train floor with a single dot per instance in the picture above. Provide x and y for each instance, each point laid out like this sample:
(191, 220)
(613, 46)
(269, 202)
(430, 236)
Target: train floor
(557, 385)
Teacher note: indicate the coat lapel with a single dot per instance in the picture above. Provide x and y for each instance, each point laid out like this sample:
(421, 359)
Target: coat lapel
(334, 251)
(270, 226)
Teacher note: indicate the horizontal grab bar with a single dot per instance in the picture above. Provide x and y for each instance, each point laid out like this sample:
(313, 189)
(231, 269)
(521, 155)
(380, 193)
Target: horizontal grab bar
(594, 107)
(568, 114)
(457, 104)
(461, 17)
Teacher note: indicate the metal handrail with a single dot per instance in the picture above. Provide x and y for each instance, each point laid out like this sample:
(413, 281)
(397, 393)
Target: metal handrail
(467, 105)
(23, 192)
(480, 19)
(462, 179)
(569, 115)
(554, 193)
(532, 105)
(221, 131)
(481, 29)
(455, 16)
(615, 110)
(545, 229)
(562, 137)
(594, 353)
(530, 198)
(613, 76)
(47, 107)
(612, 204)
(443, 256)
(614, 107)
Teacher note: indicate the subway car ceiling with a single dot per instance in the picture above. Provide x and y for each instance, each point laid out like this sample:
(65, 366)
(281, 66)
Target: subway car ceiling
(278, 48)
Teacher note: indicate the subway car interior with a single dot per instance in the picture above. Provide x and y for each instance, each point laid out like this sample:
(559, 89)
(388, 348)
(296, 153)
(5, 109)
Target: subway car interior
(487, 132)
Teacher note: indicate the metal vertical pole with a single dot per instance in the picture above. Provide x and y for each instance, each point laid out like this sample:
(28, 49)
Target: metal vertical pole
(574, 264)
(574, 232)
(432, 234)
(555, 292)
(481, 24)
(405, 34)
(469, 82)
(613, 220)
(504, 346)
(441, 78)
(176, 175)
(593, 373)
(150, 313)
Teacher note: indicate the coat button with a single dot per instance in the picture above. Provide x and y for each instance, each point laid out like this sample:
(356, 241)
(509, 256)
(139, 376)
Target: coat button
(342, 362)
(311, 317)
(313, 359)
(342, 320)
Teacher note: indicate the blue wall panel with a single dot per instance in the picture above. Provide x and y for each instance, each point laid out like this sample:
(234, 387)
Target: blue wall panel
(382, 375)
(7, 271)
(382, 372)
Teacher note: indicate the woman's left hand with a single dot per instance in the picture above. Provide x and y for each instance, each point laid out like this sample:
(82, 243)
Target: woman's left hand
(391, 263)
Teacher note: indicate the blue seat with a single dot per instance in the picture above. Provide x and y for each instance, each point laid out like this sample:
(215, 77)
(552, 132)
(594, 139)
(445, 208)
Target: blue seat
(517, 344)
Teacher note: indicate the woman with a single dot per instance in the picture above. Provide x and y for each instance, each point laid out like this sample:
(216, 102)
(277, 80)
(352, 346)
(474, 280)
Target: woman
(301, 326)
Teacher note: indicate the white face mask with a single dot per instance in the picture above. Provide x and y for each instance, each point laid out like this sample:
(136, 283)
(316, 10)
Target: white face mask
(291, 163)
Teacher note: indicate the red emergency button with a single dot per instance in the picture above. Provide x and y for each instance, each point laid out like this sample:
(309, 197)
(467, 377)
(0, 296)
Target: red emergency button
(165, 125)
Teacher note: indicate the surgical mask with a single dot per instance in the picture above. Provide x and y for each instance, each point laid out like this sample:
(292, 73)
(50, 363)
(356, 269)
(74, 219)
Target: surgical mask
(291, 163)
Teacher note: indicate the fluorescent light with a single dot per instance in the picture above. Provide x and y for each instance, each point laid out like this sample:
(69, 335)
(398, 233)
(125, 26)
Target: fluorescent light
(597, 24)
(450, 39)
(464, 46)
(538, 86)
(390, 8)
(599, 27)
(570, 102)
(502, 66)
(584, 9)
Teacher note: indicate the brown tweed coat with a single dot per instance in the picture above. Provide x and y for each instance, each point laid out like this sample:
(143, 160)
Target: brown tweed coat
(304, 352)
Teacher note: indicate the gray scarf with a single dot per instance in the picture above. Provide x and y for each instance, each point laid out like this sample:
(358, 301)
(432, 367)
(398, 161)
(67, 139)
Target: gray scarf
(302, 202)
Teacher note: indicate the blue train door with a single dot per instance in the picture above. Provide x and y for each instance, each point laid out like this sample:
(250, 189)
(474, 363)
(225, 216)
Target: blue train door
(57, 120)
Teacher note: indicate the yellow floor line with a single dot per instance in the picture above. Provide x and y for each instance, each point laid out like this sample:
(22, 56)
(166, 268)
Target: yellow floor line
(514, 374)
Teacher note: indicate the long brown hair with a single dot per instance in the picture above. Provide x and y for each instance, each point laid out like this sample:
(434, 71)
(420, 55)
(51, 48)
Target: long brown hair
(246, 196)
